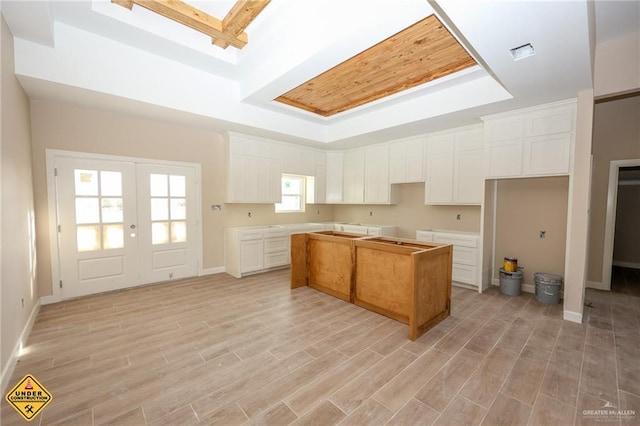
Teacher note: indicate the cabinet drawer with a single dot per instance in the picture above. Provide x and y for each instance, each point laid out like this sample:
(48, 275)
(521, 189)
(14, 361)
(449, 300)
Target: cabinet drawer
(464, 274)
(250, 235)
(465, 255)
(272, 260)
(424, 235)
(272, 245)
(275, 232)
(455, 240)
(374, 231)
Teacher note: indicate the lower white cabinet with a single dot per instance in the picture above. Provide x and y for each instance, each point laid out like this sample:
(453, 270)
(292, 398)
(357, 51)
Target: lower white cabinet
(373, 230)
(250, 250)
(466, 255)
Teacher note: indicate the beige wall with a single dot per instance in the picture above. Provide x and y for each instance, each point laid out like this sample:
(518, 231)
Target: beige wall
(19, 294)
(627, 235)
(617, 65)
(75, 128)
(410, 213)
(616, 136)
(524, 208)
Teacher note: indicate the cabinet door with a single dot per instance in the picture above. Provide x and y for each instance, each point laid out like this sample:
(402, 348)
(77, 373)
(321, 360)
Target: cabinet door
(398, 162)
(376, 182)
(503, 159)
(251, 256)
(353, 184)
(547, 155)
(439, 184)
(469, 177)
(414, 161)
(334, 177)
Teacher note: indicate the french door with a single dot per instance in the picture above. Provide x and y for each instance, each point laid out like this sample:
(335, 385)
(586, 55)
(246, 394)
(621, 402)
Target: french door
(122, 224)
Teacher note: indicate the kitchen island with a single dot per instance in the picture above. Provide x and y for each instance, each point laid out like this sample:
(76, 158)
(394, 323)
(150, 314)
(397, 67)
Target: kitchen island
(407, 280)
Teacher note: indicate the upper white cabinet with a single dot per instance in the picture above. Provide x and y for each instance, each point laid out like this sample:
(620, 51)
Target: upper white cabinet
(353, 177)
(530, 142)
(254, 170)
(455, 166)
(319, 187)
(335, 162)
(298, 160)
(406, 160)
(376, 175)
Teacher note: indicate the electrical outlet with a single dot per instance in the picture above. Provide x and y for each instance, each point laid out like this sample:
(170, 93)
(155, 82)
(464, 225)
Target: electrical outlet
(458, 216)
(216, 207)
(543, 234)
(23, 302)
(370, 213)
(249, 214)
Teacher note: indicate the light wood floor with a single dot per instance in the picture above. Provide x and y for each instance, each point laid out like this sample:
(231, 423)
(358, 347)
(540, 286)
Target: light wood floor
(219, 350)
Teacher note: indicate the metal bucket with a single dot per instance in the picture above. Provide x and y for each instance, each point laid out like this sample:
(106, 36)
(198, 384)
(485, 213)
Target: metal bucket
(511, 282)
(548, 287)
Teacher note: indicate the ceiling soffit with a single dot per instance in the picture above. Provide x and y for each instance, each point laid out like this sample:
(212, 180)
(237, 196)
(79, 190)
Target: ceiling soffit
(421, 53)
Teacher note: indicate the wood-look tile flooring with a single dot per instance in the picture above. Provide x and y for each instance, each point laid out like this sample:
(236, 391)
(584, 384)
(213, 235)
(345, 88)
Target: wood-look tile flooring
(218, 350)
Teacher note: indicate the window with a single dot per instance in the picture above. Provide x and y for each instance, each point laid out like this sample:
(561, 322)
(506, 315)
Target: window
(292, 194)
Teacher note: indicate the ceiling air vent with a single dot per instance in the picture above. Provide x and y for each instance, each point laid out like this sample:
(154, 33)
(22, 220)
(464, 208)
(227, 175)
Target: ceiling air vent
(522, 52)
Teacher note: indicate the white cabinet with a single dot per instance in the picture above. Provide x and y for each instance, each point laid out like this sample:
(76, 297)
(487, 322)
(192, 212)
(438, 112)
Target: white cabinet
(243, 251)
(251, 256)
(530, 142)
(406, 160)
(254, 170)
(334, 177)
(466, 255)
(373, 230)
(353, 177)
(317, 184)
(275, 247)
(455, 167)
(376, 175)
(298, 160)
(251, 250)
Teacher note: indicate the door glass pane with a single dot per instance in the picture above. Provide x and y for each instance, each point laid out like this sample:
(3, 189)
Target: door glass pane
(87, 210)
(160, 233)
(159, 209)
(178, 209)
(178, 232)
(86, 182)
(177, 186)
(159, 187)
(112, 236)
(88, 238)
(111, 184)
(112, 210)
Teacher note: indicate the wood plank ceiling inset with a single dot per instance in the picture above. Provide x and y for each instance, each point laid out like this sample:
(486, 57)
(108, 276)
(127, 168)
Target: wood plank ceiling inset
(416, 55)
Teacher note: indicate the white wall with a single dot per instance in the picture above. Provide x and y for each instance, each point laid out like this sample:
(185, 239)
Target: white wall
(20, 298)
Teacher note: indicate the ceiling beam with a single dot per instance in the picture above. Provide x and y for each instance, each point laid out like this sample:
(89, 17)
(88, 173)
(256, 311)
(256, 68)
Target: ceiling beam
(188, 15)
(239, 17)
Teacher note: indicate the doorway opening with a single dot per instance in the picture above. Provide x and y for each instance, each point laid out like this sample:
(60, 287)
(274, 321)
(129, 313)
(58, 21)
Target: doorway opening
(621, 263)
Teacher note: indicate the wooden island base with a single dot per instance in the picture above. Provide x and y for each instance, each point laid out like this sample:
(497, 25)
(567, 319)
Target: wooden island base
(407, 280)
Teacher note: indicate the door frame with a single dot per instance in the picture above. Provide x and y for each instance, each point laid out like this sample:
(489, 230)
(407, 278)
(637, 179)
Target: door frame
(53, 214)
(610, 223)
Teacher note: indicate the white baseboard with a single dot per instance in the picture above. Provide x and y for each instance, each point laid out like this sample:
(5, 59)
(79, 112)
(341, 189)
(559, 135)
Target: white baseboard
(631, 265)
(572, 316)
(596, 285)
(47, 300)
(211, 271)
(7, 371)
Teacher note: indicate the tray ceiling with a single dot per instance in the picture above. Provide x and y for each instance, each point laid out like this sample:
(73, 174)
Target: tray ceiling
(421, 53)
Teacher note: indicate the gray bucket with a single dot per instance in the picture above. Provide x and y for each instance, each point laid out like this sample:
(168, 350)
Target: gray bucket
(511, 282)
(548, 287)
